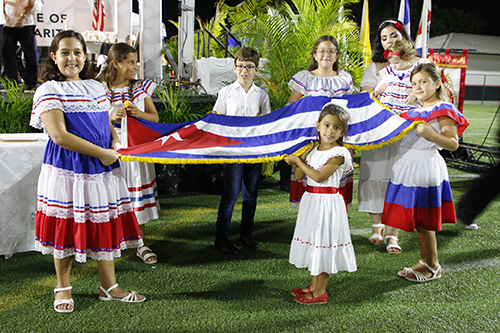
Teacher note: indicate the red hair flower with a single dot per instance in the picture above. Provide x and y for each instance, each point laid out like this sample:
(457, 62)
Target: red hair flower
(386, 52)
(399, 26)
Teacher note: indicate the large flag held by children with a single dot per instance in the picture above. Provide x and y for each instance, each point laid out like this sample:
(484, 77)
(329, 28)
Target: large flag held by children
(215, 138)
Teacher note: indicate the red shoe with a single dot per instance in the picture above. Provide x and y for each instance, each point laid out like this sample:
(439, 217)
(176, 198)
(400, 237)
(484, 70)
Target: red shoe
(314, 300)
(298, 291)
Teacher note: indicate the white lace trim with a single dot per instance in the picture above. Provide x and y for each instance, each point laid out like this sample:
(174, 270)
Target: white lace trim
(82, 197)
(82, 257)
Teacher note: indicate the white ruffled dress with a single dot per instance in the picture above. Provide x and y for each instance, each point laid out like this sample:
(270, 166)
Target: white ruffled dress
(322, 240)
(140, 176)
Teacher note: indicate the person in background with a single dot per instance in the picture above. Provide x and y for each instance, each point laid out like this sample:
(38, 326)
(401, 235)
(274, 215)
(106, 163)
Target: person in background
(478, 196)
(241, 98)
(375, 165)
(20, 27)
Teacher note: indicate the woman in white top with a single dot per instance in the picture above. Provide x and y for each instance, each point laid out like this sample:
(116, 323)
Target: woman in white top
(375, 165)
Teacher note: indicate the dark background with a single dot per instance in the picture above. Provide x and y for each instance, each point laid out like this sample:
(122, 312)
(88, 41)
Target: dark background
(461, 16)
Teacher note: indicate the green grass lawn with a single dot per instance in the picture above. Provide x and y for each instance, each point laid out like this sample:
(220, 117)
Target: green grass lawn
(194, 288)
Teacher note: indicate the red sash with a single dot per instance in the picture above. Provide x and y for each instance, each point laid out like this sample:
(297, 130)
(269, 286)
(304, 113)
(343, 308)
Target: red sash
(322, 189)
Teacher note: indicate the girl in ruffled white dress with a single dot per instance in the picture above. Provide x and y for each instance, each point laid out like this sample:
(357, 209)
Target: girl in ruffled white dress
(321, 240)
(419, 193)
(83, 205)
(323, 78)
(130, 97)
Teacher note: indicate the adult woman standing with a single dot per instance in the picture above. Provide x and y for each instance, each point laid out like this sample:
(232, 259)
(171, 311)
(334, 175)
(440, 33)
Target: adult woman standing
(375, 165)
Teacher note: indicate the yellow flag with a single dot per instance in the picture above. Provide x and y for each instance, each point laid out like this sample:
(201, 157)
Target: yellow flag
(366, 50)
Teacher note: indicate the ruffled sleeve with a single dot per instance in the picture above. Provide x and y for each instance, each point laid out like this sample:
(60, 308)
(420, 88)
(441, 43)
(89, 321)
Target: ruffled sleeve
(140, 90)
(346, 167)
(143, 89)
(299, 82)
(45, 99)
(370, 76)
(442, 109)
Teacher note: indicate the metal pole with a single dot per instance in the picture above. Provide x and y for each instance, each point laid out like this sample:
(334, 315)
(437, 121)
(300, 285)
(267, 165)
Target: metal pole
(484, 88)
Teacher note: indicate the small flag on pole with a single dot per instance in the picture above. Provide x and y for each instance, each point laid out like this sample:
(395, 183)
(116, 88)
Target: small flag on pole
(404, 15)
(366, 49)
(99, 16)
(424, 28)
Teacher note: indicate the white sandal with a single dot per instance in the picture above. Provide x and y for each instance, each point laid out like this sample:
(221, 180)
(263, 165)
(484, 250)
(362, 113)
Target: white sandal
(58, 302)
(132, 297)
(145, 257)
(419, 277)
(408, 270)
(392, 246)
(375, 236)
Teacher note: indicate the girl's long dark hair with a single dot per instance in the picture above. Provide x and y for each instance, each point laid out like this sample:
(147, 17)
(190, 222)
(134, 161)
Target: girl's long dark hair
(378, 50)
(50, 71)
(314, 64)
(118, 52)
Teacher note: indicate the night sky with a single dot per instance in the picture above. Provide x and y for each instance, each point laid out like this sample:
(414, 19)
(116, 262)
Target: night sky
(489, 13)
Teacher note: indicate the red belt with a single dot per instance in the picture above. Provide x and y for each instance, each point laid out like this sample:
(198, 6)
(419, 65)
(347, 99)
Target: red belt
(322, 189)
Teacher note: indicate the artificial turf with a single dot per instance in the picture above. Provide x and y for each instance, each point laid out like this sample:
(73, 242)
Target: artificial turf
(195, 288)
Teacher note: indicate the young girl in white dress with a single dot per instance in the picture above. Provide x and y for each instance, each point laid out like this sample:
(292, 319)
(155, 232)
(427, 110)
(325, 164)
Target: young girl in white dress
(323, 78)
(130, 97)
(419, 193)
(84, 210)
(321, 240)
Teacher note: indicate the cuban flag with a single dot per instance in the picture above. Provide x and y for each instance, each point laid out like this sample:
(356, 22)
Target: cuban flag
(404, 15)
(424, 28)
(99, 15)
(215, 138)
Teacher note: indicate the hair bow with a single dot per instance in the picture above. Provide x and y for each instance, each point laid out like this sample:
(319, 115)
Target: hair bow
(386, 53)
(399, 26)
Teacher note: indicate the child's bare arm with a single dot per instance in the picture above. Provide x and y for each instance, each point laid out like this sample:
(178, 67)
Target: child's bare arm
(320, 176)
(379, 90)
(149, 113)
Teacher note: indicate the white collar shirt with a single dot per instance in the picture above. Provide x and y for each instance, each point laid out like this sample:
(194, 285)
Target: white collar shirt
(233, 100)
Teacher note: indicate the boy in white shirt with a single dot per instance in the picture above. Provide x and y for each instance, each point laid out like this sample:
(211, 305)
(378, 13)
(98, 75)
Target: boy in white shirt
(242, 98)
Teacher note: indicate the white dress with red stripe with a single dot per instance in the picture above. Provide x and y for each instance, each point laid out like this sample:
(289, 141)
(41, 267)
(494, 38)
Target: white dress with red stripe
(419, 192)
(140, 176)
(334, 86)
(83, 207)
(322, 240)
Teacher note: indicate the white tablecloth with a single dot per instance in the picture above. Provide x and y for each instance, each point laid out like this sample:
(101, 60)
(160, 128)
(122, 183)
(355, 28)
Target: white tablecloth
(21, 158)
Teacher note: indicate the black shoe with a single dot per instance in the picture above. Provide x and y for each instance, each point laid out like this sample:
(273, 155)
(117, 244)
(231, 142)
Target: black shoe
(249, 242)
(225, 246)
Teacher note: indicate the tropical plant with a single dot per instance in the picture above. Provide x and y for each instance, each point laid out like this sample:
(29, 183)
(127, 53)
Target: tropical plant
(179, 105)
(15, 108)
(285, 33)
